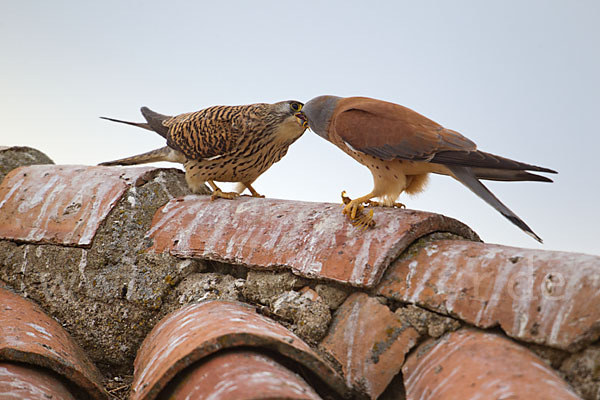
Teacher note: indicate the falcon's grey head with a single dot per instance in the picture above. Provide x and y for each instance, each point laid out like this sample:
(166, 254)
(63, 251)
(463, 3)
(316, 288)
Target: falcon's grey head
(318, 111)
(289, 108)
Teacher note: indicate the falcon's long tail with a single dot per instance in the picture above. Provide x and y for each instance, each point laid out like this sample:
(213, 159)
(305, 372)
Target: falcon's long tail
(154, 121)
(138, 124)
(507, 175)
(467, 177)
(162, 154)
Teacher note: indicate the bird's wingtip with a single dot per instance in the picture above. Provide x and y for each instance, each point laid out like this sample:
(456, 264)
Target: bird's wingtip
(536, 237)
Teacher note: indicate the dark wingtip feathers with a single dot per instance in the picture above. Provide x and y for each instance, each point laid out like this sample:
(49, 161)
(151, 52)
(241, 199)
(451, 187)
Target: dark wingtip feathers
(466, 176)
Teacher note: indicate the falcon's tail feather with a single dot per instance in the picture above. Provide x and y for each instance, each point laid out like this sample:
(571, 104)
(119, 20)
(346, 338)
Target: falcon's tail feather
(467, 177)
(138, 124)
(507, 175)
(155, 121)
(162, 154)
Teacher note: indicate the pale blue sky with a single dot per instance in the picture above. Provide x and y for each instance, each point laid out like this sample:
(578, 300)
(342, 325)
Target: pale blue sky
(520, 78)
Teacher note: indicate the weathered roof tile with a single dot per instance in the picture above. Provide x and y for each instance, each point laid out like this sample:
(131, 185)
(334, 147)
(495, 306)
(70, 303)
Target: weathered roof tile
(469, 364)
(61, 204)
(313, 239)
(242, 375)
(198, 330)
(546, 297)
(369, 341)
(28, 335)
(31, 383)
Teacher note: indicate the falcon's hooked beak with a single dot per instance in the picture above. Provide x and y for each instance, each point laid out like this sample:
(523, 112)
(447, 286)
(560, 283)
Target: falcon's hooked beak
(302, 120)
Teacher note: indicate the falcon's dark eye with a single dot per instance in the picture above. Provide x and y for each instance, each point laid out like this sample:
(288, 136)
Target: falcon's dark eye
(295, 106)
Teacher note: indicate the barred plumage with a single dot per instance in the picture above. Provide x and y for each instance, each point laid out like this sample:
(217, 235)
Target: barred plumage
(223, 143)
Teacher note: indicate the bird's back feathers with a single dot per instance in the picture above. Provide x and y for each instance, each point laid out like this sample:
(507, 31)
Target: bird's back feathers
(388, 130)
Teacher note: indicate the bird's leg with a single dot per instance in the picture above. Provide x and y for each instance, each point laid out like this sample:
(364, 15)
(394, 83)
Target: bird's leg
(354, 210)
(218, 193)
(251, 189)
(373, 203)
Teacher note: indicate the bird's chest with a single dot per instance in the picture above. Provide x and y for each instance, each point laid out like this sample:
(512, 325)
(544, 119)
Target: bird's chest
(373, 163)
(252, 159)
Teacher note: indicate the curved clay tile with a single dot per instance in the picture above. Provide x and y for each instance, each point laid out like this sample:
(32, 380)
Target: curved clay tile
(199, 330)
(62, 204)
(546, 297)
(18, 381)
(469, 364)
(313, 239)
(29, 336)
(241, 375)
(369, 341)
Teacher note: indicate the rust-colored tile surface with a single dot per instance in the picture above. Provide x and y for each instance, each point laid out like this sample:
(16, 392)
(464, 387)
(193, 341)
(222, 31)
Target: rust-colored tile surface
(61, 204)
(469, 364)
(242, 375)
(31, 383)
(314, 239)
(369, 342)
(28, 335)
(546, 297)
(198, 330)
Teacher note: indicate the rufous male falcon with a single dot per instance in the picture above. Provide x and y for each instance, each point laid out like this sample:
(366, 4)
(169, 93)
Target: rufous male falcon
(401, 147)
(223, 143)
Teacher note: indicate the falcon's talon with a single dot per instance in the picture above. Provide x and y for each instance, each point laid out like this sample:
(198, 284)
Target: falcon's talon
(374, 203)
(355, 212)
(345, 199)
(364, 221)
(223, 195)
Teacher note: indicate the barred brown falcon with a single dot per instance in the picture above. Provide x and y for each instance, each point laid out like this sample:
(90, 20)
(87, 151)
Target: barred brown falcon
(223, 143)
(400, 147)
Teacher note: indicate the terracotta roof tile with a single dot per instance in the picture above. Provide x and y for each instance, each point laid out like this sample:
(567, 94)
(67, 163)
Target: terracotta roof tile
(546, 297)
(469, 364)
(31, 383)
(196, 331)
(313, 239)
(242, 375)
(369, 342)
(61, 204)
(28, 335)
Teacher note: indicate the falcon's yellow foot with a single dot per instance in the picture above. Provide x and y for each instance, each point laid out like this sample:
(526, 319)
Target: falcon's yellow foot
(223, 195)
(364, 221)
(373, 203)
(355, 211)
(253, 192)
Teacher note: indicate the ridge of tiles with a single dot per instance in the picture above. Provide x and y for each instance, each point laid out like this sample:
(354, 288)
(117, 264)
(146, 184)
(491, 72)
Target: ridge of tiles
(62, 204)
(540, 296)
(314, 240)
